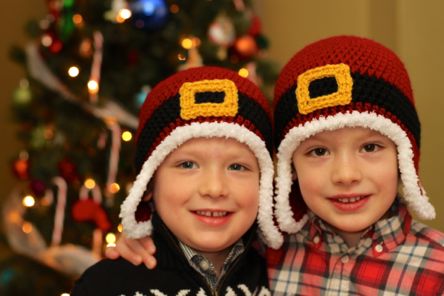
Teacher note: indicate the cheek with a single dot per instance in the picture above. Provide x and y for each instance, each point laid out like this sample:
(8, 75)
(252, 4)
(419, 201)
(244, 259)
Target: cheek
(308, 178)
(250, 210)
(311, 186)
(306, 188)
(391, 181)
(387, 173)
(166, 195)
(249, 198)
(247, 186)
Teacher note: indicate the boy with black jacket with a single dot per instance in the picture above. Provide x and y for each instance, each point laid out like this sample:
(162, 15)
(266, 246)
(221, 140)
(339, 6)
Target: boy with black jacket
(205, 169)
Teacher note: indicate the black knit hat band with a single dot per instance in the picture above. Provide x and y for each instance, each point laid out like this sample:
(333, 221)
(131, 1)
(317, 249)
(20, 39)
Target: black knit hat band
(167, 117)
(369, 93)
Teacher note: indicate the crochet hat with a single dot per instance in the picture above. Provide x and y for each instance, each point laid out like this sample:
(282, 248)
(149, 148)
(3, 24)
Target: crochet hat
(202, 102)
(345, 81)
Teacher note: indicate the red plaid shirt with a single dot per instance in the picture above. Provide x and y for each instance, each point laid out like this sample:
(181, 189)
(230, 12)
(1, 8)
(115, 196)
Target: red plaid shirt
(397, 256)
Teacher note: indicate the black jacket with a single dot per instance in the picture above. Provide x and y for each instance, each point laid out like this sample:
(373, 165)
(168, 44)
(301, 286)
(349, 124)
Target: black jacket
(173, 275)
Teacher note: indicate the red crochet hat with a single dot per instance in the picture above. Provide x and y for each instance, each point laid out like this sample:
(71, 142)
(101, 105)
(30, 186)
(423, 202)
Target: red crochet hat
(202, 102)
(345, 81)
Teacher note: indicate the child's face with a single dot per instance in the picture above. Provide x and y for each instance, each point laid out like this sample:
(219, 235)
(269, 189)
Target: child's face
(207, 192)
(348, 177)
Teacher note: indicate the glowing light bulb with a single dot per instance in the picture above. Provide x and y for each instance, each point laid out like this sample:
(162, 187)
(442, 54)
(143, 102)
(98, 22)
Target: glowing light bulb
(73, 71)
(187, 43)
(27, 227)
(123, 15)
(90, 183)
(120, 228)
(127, 136)
(113, 188)
(77, 19)
(46, 40)
(110, 239)
(28, 201)
(243, 72)
(93, 86)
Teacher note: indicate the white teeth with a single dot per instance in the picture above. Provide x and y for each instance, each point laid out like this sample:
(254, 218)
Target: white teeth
(211, 213)
(350, 200)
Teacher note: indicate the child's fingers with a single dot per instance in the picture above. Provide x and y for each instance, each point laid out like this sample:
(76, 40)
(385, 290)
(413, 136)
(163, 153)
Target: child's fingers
(149, 250)
(150, 262)
(148, 245)
(129, 249)
(111, 253)
(144, 249)
(135, 251)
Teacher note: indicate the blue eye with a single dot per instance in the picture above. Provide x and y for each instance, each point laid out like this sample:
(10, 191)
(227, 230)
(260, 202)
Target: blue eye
(187, 165)
(237, 167)
(318, 152)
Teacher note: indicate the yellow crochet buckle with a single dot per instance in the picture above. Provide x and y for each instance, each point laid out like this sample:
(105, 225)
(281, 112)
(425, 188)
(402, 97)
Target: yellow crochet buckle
(189, 109)
(343, 96)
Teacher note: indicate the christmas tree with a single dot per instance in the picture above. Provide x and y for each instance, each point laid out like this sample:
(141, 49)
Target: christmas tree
(89, 66)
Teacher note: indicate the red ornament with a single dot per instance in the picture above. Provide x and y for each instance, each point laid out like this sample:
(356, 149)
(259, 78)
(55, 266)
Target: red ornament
(54, 8)
(56, 45)
(88, 210)
(101, 220)
(20, 168)
(246, 46)
(52, 42)
(255, 26)
(38, 187)
(68, 170)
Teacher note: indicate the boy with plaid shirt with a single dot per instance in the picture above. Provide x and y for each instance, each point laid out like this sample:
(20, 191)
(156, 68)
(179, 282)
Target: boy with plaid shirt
(347, 135)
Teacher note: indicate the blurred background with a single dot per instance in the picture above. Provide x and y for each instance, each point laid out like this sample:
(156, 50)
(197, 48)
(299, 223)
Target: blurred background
(51, 49)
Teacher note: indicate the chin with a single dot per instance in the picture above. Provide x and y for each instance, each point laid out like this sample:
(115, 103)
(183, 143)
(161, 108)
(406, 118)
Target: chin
(212, 245)
(353, 226)
(356, 227)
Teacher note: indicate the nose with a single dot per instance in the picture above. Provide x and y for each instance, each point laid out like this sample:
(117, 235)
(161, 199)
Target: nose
(346, 170)
(213, 184)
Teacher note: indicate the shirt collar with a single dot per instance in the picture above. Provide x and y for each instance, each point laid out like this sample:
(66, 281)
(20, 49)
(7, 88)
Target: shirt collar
(205, 267)
(389, 232)
(393, 230)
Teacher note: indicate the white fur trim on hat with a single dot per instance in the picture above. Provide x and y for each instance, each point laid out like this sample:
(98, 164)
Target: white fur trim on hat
(180, 135)
(413, 194)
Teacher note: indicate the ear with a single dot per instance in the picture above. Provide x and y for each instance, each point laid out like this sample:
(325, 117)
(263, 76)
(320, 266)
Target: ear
(294, 175)
(148, 195)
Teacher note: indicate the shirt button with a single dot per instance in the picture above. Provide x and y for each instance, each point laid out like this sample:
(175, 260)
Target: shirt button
(379, 248)
(316, 239)
(204, 265)
(344, 259)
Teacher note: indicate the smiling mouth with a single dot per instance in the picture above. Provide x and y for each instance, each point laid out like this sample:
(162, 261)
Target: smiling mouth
(349, 203)
(349, 199)
(215, 214)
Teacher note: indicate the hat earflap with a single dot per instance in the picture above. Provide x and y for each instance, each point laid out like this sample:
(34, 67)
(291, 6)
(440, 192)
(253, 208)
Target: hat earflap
(290, 207)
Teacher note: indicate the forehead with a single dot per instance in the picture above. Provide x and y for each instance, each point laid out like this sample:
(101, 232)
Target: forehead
(347, 133)
(220, 143)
